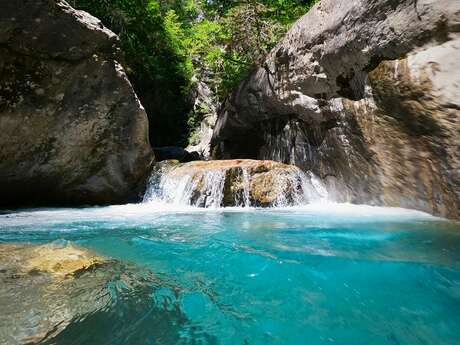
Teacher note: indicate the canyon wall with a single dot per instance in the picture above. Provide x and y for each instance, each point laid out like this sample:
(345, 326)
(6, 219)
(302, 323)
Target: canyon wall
(72, 128)
(365, 94)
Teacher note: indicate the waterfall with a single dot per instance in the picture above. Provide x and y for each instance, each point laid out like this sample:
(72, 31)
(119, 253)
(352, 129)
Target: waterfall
(245, 183)
(246, 186)
(205, 191)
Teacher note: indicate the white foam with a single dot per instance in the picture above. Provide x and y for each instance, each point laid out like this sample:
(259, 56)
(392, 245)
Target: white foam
(358, 211)
(146, 213)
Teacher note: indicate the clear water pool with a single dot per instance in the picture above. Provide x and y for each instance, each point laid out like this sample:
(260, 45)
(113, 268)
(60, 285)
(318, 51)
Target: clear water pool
(321, 274)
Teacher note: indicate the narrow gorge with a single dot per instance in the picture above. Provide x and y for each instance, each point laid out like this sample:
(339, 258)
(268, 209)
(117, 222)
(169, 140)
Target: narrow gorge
(362, 94)
(222, 172)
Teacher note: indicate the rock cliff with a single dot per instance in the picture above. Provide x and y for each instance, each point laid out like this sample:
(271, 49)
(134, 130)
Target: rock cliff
(73, 130)
(205, 112)
(366, 94)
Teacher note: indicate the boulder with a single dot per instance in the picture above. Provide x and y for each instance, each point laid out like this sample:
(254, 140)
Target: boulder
(73, 130)
(365, 94)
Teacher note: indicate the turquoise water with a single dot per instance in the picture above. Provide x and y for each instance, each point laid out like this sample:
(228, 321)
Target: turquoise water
(324, 274)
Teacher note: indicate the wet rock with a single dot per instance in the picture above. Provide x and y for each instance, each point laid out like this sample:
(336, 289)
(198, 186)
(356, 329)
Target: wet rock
(61, 260)
(44, 287)
(231, 183)
(58, 292)
(73, 130)
(363, 94)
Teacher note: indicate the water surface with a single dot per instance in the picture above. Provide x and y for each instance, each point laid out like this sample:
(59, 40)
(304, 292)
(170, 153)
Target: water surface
(319, 274)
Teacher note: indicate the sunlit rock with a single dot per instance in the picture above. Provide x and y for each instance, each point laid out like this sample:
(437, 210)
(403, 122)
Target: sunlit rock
(59, 291)
(60, 260)
(42, 288)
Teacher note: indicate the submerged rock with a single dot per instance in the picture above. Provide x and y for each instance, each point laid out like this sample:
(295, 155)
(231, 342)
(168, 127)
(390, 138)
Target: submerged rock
(39, 291)
(54, 293)
(73, 130)
(60, 260)
(366, 95)
(232, 183)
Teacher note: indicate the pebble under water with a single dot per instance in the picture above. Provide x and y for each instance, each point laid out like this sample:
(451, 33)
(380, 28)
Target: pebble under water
(319, 274)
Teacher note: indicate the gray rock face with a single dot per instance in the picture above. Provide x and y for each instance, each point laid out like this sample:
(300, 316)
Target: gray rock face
(73, 130)
(205, 108)
(366, 95)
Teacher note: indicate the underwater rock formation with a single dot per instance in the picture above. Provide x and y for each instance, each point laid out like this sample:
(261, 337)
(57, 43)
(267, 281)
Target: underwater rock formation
(55, 292)
(233, 183)
(73, 130)
(366, 95)
(43, 288)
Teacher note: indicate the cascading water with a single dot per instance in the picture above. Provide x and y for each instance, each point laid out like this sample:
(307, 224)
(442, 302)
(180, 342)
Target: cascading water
(186, 190)
(246, 185)
(242, 183)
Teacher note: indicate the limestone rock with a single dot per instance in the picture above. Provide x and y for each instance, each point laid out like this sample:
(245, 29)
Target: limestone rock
(60, 260)
(365, 94)
(205, 112)
(73, 130)
(59, 291)
(44, 287)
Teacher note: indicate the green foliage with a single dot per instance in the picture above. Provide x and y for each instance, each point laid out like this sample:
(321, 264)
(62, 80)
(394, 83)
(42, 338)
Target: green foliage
(237, 35)
(157, 60)
(168, 43)
(151, 39)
